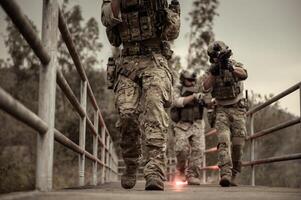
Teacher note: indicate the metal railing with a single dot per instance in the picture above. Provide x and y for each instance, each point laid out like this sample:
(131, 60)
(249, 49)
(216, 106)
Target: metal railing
(251, 113)
(252, 136)
(43, 123)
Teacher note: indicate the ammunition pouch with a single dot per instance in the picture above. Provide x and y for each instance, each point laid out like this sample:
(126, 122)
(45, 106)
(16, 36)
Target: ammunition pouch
(226, 92)
(226, 86)
(187, 114)
(191, 113)
(113, 36)
(139, 21)
(111, 73)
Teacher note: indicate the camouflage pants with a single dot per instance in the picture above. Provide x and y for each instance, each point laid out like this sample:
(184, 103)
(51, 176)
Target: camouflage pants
(231, 127)
(141, 106)
(190, 147)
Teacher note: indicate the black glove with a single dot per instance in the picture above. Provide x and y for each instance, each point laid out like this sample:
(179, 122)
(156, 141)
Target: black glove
(214, 70)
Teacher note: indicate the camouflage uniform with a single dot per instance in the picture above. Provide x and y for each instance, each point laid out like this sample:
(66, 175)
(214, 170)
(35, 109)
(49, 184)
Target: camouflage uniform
(190, 142)
(230, 123)
(143, 90)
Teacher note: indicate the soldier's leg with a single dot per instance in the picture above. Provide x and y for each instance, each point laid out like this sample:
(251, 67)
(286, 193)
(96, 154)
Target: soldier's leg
(156, 95)
(238, 130)
(197, 142)
(224, 153)
(182, 149)
(126, 97)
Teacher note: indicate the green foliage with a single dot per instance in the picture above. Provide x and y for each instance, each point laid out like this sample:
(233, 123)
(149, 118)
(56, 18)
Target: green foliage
(201, 33)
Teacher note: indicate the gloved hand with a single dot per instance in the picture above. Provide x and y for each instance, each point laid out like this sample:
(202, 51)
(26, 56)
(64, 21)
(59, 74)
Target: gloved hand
(214, 70)
(197, 96)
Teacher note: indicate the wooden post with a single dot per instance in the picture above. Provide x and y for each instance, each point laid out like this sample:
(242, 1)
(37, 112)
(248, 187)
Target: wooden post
(47, 90)
(95, 148)
(82, 132)
(103, 154)
(252, 150)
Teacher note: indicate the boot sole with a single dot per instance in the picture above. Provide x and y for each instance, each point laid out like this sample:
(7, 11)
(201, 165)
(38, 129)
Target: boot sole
(224, 183)
(154, 187)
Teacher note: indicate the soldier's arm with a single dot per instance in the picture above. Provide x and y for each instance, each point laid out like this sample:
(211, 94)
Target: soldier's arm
(239, 71)
(110, 13)
(208, 82)
(179, 101)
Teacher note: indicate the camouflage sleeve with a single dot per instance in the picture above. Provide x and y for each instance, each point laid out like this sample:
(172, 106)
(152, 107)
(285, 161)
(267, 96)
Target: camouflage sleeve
(178, 101)
(172, 27)
(107, 17)
(240, 65)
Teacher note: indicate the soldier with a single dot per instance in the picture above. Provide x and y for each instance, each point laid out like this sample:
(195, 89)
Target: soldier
(187, 112)
(224, 81)
(143, 82)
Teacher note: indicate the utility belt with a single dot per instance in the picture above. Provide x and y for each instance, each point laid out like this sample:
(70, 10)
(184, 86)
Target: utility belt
(148, 47)
(242, 103)
(144, 47)
(140, 50)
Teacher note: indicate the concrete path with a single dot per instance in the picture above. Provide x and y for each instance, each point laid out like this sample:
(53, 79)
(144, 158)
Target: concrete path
(113, 191)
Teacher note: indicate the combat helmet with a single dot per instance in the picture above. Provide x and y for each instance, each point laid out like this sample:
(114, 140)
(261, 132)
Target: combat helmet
(187, 74)
(218, 49)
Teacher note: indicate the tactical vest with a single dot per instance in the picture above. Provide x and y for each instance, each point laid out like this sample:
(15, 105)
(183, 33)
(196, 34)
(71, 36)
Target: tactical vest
(226, 86)
(192, 111)
(141, 20)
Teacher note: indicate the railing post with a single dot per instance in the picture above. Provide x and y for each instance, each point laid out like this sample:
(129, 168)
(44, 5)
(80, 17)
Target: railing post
(204, 171)
(252, 149)
(107, 157)
(300, 102)
(47, 91)
(110, 160)
(82, 132)
(103, 154)
(95, 148)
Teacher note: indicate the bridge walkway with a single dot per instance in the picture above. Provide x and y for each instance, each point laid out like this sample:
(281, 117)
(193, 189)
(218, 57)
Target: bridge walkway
(113, 191)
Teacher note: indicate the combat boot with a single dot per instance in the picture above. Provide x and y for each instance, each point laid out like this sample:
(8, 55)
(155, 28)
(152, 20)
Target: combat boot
(225, 181)
(154, 183)
(193, 181)
(128, 179)
(233, 181)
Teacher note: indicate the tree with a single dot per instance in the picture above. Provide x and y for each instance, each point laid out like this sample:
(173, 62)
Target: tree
(201, 33)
